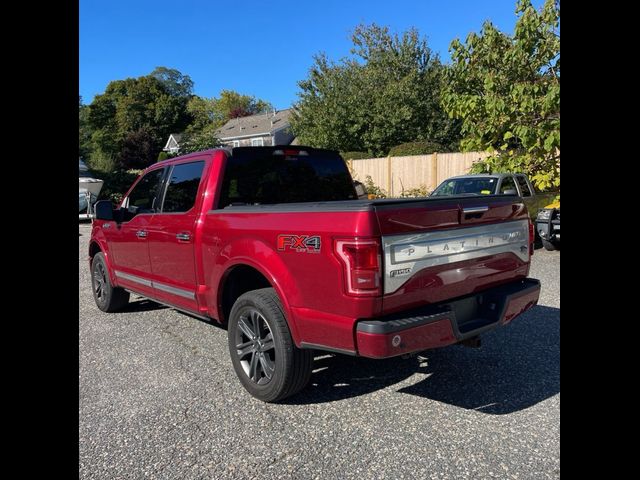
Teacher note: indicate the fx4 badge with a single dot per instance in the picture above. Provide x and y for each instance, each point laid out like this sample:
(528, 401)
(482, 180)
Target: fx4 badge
(299, 243)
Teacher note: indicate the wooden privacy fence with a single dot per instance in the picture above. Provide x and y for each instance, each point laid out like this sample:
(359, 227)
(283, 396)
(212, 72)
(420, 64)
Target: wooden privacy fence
(395, 173)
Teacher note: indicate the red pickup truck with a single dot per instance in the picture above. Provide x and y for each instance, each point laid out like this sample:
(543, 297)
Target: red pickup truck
(274, 243)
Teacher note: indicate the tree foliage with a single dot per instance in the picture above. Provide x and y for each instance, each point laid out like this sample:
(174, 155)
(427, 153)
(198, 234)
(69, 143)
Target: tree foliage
(354, 155)
(386, 93)
(506, 91)
(132, 119)
(196, 141)
(209, 114)
(84, 134)
(232, 104)
(416, 148)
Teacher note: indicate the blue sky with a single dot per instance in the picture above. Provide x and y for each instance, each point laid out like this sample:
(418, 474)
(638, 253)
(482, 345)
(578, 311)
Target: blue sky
(255, 47)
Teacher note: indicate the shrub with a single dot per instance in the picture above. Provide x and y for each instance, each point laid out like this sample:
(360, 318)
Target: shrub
(162, 156)
(420, 191)
(355, 155)
(373, 189)
(100, 161)
(415, 148)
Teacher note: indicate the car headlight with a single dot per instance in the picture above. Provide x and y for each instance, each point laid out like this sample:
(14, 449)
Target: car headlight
(544, 215)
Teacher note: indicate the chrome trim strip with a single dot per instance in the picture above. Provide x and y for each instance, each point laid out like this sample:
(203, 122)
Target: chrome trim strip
(407, 254)
(160, 286)
(475, 209)
(175, 291)
(134, 278)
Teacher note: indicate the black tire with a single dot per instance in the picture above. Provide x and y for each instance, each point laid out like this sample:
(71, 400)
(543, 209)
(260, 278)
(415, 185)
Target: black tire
(264, 356)
(107, 297)
(549, 245)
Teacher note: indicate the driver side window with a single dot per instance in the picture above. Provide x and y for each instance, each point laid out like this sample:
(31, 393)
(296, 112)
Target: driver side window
(142, 198)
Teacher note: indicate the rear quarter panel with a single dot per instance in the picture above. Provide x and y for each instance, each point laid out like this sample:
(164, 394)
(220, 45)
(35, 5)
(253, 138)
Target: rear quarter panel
(305, 281)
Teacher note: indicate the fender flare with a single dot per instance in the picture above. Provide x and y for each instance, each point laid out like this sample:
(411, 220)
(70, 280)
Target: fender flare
(274, 270)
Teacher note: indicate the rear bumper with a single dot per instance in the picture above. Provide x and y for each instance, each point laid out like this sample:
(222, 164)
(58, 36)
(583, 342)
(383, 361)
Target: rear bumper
(446, 323)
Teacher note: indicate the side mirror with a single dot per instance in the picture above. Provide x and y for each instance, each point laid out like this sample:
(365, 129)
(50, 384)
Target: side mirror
(510, 191)
(104, 210)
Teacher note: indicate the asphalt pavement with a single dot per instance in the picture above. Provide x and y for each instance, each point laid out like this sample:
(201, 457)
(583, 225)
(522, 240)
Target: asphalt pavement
(159, 399)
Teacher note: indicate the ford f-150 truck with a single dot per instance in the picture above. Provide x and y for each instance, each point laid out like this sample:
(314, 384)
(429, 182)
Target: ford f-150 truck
(273, 243)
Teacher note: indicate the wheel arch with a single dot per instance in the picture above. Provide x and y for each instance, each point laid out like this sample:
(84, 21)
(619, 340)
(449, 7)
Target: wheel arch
(243, 276)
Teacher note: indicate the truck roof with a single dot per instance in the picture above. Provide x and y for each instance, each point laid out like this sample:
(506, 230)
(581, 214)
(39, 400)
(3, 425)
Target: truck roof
(230, 151)
(490, 175)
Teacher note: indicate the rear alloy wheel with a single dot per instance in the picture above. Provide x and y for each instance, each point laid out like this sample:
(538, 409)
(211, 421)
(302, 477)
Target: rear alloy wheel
(254, 347)
(267, 362)
(107, 297)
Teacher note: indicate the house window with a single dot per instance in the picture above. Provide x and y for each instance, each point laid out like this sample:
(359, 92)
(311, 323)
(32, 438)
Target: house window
(257, 142)
(236, 143)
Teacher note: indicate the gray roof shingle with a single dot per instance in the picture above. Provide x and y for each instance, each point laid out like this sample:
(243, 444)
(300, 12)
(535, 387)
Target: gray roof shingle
(262, 123)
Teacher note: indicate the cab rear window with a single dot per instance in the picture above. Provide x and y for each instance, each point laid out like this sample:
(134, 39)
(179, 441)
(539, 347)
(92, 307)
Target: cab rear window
(268, 175)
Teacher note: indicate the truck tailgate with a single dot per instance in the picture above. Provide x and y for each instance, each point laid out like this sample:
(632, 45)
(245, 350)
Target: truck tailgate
(438, 249)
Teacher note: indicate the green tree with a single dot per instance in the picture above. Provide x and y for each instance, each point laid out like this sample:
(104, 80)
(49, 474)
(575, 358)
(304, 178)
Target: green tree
(145, 109)
(85, 131)
(176, 84)
(232, 104)
(209, 114)
(506, 91)
(203, 114)
(197, 141)
(385, 94)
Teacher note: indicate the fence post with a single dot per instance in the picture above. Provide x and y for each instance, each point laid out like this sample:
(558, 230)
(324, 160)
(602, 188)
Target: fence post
(389, 182)
(434, 171)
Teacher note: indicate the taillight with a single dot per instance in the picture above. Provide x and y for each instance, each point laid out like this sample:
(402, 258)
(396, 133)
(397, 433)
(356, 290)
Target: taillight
(532, 236)
(361, 261)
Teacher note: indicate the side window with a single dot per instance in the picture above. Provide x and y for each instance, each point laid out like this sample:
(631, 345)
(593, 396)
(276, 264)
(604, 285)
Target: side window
(445, 189)
(507, 184)
(524, 186)
(142, 197)
(183, 187)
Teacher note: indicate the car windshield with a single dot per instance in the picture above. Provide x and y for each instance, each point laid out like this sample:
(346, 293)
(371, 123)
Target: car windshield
(467, 186)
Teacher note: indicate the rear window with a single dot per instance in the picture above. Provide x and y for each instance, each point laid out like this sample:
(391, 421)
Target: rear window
(469, 186)
(266, 175)
(523, 186)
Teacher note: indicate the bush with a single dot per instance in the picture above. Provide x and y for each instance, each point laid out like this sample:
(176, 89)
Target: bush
(162, 156)
(420, 191)
(100, 161)
(355, 155)
(415, 148)
(373, 189)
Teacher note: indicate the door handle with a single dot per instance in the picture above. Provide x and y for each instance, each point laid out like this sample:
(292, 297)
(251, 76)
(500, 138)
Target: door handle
(183, 237)
(475, 210)
(141, 234)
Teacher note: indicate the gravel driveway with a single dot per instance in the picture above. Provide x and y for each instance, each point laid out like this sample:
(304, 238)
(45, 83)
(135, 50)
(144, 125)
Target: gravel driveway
(159, 399)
